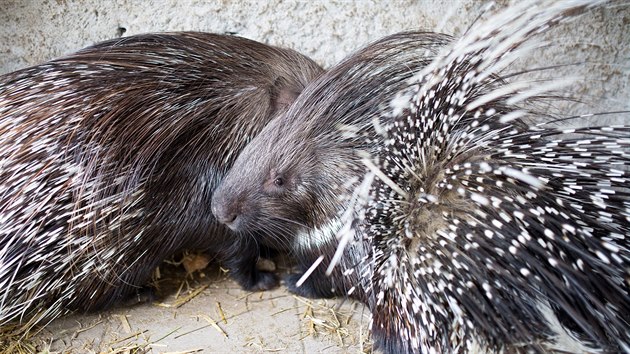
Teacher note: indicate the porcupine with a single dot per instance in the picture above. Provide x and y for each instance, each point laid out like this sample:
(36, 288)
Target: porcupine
(482, 234)
(287, 180)
(489, 235)
(110, 157)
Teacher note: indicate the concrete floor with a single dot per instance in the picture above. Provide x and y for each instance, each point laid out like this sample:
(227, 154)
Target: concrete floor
(218, 317)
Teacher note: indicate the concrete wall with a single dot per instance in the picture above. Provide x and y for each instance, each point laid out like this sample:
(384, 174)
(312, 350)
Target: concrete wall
(34, 31)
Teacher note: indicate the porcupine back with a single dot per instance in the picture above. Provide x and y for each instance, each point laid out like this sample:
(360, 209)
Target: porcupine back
(488, 235)
(109, 158)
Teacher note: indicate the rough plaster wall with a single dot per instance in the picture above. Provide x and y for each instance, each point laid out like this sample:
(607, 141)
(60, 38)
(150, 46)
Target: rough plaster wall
(34, 31)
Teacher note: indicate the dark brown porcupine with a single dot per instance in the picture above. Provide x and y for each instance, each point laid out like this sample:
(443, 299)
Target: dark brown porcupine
(288, 180)
(110, 156)
(473, 231)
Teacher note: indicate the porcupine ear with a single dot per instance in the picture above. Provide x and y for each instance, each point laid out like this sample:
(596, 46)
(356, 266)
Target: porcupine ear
(282, 95)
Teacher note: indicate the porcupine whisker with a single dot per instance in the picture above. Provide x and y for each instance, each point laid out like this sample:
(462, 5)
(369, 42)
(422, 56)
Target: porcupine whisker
(294, 222)
(254, 239)
(277, 224)
(287, 230)
(279, 234)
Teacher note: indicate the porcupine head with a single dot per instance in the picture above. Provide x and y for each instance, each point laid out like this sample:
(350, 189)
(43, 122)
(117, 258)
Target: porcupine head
(282, 185)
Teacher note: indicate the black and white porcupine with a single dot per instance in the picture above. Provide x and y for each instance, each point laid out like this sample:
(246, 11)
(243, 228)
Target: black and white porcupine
(109, 158)
(475, 230)
(488, 235)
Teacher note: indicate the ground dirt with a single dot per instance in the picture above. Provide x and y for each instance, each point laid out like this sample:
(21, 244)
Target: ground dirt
(207, 312)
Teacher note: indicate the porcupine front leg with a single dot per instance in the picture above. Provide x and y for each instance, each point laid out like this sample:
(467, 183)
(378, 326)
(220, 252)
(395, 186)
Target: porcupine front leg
(243, 270)
(317, 284)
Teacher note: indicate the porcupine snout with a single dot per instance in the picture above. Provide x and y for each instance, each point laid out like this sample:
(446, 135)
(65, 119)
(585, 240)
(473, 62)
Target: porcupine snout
(234, 209)
(227, 210)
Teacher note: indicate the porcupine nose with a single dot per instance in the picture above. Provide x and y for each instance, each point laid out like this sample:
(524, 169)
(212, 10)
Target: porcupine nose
(225, 211)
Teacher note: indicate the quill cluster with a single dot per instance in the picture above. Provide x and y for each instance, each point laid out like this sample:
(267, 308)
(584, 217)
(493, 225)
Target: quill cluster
(109, 158)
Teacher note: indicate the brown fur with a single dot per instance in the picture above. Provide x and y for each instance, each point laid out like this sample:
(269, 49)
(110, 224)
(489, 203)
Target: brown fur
(133, 136)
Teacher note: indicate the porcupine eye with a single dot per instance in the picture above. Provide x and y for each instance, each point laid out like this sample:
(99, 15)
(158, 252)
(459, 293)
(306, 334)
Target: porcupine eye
(276, 183)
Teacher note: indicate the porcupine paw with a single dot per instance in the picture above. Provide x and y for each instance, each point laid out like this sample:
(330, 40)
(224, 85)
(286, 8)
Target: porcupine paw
(141, 295)
(261, 281)
(309, 288)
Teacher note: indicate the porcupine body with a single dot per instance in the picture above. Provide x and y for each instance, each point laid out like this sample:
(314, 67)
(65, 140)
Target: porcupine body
(110, 156)
(491, 236)
(525, 248)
